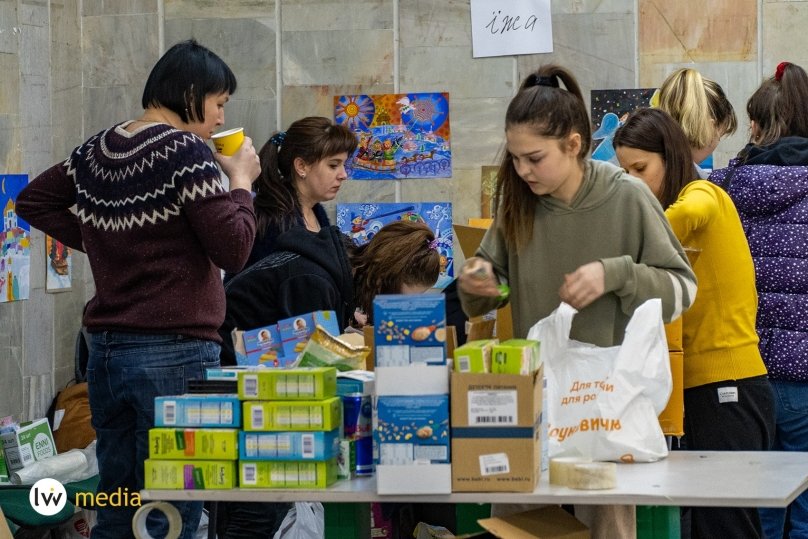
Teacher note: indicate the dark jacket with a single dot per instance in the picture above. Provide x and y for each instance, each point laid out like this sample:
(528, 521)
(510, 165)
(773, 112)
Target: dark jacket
(308, 272)
(769, 186)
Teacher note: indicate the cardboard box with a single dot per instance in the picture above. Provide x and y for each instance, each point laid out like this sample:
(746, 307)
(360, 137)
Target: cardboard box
(28, 443)
(295, 331)
(409, 329)
(190, 474)
(204, 444)
(355, 382)
(413, 479)
(293, 415)
(474, 356)
(305, 383)
(261, 346)
(286, 474)
(496, 427)
(412, 429)
(545, 523)
(197, 410)
(318, 445)
(516, 356)
(5, 532)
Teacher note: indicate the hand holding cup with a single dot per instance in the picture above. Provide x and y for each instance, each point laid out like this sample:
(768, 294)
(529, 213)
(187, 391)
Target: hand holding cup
(242, 167)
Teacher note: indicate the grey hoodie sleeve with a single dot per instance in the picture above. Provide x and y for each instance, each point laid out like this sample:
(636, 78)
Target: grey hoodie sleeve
(492, 249)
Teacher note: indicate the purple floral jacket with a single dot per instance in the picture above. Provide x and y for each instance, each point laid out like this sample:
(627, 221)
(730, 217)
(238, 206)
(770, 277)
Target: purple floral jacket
(770, 189)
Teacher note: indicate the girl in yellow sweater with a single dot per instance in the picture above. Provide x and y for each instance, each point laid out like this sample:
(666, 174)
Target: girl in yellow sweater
(728, 400)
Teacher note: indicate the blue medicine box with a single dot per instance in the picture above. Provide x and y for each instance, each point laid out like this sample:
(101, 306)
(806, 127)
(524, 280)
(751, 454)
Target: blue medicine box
(409, 329)
(263, 347)
(197, 410)
(411, 429)
(320, 445)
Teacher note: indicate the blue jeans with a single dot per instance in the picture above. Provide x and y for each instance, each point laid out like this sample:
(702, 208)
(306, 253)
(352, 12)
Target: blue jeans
(125, 372)
(791, 408)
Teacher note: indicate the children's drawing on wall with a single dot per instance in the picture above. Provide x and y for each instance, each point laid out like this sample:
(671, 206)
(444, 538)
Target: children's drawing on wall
(361, 221)
(400, 135)
(609, 110)
(488, 187)
(59, 265)
(15, 242)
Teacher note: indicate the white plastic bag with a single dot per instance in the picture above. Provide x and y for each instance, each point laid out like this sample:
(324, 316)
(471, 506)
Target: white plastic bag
(603, 403)
(306, 520)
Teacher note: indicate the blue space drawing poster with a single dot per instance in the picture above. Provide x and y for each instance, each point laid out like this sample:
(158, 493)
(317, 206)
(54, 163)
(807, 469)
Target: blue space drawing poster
(361, 221)
(400, 135)
(609, 110)
(15, 242)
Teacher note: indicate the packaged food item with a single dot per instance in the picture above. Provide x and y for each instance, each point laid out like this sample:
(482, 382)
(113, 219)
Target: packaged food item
(325, 350)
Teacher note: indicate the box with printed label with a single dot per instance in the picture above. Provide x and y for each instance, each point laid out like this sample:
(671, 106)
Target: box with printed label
(496, 426)
(409, 329)
(4, 479)
(305, 383)
(356, 381)
(346, 460)
(210, 444)
(190, 474)
(317, 445)
(27, 443)
(474, 356)
(516, 356)
(293, 415)
(287, 474)
(197, 410)
(411, 429)
(225, 374)
(295, 331)
(262, 346)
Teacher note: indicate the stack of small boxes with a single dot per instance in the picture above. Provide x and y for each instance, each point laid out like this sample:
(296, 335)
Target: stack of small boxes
(194, 442)
(411, 401)
(355, 388)
(292, 423)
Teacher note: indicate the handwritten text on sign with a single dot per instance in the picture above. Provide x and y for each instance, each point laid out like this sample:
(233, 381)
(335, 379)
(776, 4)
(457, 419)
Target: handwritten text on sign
(515, 27)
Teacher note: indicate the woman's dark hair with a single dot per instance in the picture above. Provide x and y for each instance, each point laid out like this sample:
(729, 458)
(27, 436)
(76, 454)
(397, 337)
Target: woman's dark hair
(312, 138)
(779, 107)
(183, 77)
(401, 253)
(655, 131)
(550, 111)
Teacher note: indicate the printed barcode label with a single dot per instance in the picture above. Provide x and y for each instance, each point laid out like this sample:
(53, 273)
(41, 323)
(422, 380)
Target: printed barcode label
(498, 407)
(251, 386)
(464, 364)
(308, 446)
(170, 412)
(250, 474)
(496, 463)
(257, 417)
(495, 419)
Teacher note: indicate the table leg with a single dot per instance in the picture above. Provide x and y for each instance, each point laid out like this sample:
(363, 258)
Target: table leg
(658, 522)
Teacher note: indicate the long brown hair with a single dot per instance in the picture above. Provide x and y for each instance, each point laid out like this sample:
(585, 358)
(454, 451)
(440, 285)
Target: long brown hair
(550, 111)
(401, 253)
(312, 139)
(779, 107)
(655, 131)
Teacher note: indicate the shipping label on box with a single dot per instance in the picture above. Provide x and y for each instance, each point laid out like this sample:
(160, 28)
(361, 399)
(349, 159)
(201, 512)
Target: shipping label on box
(295, 331)
(287, 474)
(318, 445)
(474, 356)
(262, 346)
(411, 429)
(293, 415)
(305, 383)
(28, 443)
(516, 356)
(190, 474)
(209, 444)
(497, 427)
(409, 328)
(197, 410)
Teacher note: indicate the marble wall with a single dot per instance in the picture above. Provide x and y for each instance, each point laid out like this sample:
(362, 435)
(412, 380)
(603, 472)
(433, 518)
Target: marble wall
(73, 67)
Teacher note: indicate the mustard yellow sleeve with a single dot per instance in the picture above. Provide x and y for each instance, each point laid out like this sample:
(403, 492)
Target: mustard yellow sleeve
(696, 206)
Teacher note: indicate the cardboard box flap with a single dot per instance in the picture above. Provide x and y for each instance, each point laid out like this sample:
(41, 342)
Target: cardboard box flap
(469, 238)
(544, 523)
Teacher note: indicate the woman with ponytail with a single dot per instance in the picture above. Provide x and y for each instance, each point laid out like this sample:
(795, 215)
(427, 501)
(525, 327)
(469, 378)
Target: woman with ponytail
(300, 168)
(768, 182)
(574, 230)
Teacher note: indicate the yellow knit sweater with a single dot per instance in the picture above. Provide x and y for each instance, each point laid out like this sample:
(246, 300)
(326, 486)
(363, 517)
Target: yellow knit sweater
(719, 337)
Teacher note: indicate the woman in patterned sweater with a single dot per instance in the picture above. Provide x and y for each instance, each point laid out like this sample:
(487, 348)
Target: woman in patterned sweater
(156, 224)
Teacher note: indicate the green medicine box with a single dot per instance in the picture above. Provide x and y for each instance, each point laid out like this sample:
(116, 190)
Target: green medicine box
(293, 415)
(210, 444)
(516, 356)
(287, 474)
(288, 384)
(474, 356)
(190, 474)
(28, 443)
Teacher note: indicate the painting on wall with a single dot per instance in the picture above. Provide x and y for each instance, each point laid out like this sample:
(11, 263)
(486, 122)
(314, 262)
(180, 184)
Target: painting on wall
(488, 187)
(59, 265)
(400, 135)
(15, 242)
(609, 109)
(361, 221)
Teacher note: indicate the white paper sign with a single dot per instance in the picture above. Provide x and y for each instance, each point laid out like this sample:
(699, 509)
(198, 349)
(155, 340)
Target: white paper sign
(514, 27)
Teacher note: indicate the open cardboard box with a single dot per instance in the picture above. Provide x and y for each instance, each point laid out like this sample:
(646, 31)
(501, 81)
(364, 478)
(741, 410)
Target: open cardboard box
(544, 523)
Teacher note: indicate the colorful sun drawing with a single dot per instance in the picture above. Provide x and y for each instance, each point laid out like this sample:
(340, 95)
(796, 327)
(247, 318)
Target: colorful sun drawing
(355, 111)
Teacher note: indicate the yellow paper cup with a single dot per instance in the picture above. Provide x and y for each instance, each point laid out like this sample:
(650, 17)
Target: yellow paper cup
(228, 142)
